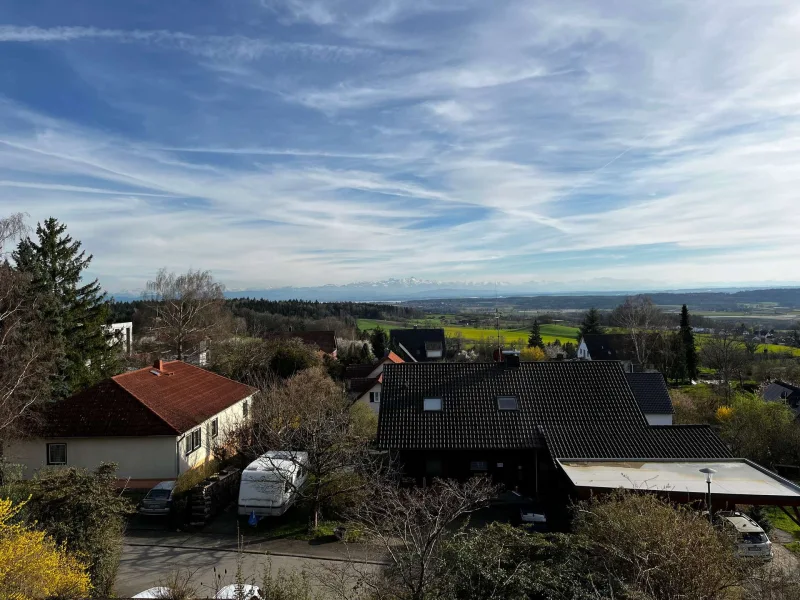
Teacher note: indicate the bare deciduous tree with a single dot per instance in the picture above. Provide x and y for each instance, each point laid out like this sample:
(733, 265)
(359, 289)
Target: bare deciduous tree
(642, 321)
(410, 525)
(726, 354)
(186, 311)
(26, 358)
(311, 413)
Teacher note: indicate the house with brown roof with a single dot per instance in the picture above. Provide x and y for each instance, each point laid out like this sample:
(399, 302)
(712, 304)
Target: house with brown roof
(154, 423)
(364, 382)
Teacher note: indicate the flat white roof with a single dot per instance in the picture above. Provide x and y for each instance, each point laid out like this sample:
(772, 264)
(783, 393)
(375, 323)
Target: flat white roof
(733, 477)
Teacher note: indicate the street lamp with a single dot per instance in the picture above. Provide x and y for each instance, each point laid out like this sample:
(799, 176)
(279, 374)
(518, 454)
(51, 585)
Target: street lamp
(709, 472)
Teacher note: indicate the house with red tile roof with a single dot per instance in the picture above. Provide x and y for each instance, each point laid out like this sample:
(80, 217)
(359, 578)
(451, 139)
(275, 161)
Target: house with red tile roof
(364, 382)
(154, 423)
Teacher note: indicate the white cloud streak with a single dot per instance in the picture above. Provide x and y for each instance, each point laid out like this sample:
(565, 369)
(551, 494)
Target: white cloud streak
(554, 141)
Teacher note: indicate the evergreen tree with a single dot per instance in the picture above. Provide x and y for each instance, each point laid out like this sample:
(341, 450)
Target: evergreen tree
(689, 349)
(535, 337)
(379, 340)
(591, 323)
(74, 314)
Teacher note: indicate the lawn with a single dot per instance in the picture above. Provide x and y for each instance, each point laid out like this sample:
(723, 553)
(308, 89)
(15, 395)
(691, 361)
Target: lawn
(550, 333)
(780, 521)
(772, 348)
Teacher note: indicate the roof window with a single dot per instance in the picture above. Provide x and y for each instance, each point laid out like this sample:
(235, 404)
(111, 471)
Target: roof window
(432, 404)
(507, 403)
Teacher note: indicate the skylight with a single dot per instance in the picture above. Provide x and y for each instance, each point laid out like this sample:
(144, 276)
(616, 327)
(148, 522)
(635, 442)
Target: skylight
(507, 403)
(432, 404)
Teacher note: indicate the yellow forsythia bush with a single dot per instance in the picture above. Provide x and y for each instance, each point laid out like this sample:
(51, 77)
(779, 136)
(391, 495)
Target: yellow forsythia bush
(724, 413)
(532, 354)
(32, 566)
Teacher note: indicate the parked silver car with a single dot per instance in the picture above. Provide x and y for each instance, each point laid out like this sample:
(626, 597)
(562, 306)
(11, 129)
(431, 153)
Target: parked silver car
(158, 500)
(751, 541)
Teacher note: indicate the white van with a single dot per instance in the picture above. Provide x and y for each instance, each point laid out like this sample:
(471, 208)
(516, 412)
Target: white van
(751, 541)
(270, 483)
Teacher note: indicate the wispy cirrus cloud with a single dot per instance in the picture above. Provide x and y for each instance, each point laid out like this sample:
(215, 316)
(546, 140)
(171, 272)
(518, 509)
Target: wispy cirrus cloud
(305, 142)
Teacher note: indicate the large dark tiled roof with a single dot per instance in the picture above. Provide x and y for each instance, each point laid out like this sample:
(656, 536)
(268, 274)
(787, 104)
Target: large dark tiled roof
(610, 346)
(651, 393)
(578, 409)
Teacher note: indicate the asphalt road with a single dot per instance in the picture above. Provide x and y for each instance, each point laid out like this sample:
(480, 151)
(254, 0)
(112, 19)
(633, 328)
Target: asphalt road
(143, 567)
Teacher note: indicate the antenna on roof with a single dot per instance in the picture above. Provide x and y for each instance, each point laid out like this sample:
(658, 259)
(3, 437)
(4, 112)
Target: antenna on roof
(497, 319)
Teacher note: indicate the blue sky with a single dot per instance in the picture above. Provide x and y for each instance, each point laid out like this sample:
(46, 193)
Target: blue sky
(305, 142)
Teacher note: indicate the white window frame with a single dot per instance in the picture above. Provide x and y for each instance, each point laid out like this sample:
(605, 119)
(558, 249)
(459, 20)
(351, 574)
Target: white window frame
(375, 397)
(505, 408)
(432, 404)
(479, 466)
(51, 445)
(214, 428)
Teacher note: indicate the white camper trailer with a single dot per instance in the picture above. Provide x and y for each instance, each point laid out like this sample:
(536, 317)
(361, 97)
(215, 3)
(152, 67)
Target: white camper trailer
(270, 483)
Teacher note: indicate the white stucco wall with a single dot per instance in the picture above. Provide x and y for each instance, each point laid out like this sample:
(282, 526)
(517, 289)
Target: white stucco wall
(658, 419)
(376, 406)
(583, 350)
(136, 457)
(228, 420)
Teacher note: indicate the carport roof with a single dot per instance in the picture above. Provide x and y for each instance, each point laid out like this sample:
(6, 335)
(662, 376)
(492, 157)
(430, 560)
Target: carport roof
(739, 480)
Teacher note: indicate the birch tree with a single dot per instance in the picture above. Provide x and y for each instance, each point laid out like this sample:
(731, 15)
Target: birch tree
(185, 311)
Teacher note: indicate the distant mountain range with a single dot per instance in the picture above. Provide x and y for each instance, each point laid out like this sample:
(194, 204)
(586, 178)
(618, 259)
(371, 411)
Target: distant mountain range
(397, 290)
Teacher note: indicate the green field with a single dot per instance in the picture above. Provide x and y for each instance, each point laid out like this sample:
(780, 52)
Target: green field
(771, 348)
(550, 333)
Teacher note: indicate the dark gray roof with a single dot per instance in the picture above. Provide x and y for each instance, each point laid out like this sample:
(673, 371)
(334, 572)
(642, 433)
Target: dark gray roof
(651, 393)
(780, 391)
(578, 409)
(416, 341)
(610, 346)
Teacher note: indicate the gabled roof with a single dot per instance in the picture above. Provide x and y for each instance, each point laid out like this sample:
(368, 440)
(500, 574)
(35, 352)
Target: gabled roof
(144, 402)
(417, 341)
(361, 385)
(324, 340)
(363, 371)
(651, 393)
(780, 390)
(577, 409)
(610, 346)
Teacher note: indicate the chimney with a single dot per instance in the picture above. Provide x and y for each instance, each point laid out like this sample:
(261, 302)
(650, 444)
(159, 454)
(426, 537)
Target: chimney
(158, 365)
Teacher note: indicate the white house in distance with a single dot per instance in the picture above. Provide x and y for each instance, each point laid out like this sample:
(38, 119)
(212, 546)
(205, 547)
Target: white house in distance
(154, 423)
(123, 335)
(652, 396)
(364, 381)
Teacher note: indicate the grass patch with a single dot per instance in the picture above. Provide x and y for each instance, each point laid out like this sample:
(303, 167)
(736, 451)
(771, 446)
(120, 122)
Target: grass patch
(793, 547)
(780, 521)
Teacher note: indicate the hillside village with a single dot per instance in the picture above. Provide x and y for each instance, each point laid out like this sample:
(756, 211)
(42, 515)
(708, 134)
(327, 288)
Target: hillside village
(394, 460)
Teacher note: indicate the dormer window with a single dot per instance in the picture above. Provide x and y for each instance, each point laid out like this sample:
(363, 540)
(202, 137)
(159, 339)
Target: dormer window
(432, 404)
(507, 403)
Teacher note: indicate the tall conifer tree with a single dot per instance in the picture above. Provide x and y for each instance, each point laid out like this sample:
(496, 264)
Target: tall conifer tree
(535, 337)
(591, 323)
(75, 313)
(689, 349)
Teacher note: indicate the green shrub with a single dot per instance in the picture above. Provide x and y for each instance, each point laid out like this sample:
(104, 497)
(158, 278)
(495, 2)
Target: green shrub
(84, 511)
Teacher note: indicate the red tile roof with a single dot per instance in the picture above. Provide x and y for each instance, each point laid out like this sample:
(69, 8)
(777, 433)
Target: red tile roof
(392, 357)
(142, 402)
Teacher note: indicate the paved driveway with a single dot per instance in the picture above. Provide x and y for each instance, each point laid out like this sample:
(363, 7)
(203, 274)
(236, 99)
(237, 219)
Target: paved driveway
(143, 567)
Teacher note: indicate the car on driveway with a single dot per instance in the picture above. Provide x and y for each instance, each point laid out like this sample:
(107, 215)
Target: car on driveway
(158, 501)
(751, 540)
